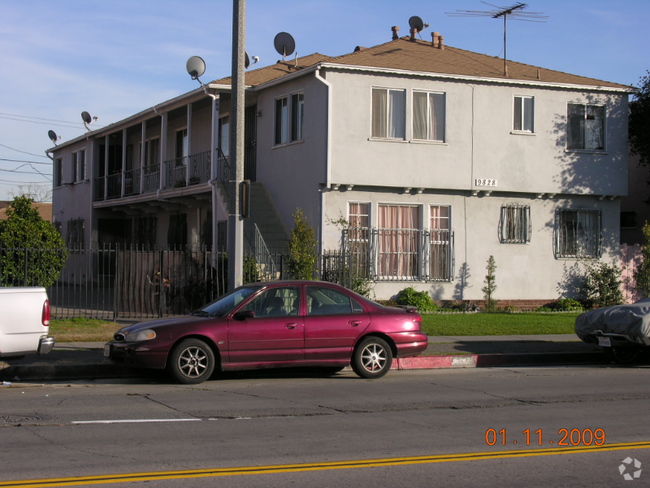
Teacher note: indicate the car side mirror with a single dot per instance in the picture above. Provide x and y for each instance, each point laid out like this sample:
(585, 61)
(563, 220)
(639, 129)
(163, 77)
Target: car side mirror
(243, 315)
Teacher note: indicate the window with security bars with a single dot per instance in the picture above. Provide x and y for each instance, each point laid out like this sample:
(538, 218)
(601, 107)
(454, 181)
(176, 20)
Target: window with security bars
(440, 242)
(358, 237)
(515, 224)
(398, 242)
(75, 233)
(578, 233)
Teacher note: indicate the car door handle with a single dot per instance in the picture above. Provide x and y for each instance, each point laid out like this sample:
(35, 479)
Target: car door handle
(290, 326)
(354, 323)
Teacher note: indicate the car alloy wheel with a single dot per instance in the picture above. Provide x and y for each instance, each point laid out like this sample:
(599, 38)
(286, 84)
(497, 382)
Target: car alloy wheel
(373, 358)
(192, 361)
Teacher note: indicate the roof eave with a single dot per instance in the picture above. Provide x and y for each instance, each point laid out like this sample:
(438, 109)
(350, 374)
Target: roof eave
(481, 79)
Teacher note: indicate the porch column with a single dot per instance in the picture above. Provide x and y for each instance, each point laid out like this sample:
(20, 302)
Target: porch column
(143, 145)
(106, 141)
(163, 149)
(188, 162)
(123, 178)
(213, 174)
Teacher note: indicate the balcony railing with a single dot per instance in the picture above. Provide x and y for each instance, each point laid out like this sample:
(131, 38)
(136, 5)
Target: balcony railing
(200, 168)
(176, 173)
(150, 178)
(114, 186)
(132, 182)
(98, 188)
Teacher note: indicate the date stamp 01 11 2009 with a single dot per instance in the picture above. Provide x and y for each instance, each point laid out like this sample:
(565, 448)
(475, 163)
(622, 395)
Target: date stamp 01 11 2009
(566, 437)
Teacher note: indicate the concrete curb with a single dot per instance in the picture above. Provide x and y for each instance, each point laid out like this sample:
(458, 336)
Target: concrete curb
(63, 372)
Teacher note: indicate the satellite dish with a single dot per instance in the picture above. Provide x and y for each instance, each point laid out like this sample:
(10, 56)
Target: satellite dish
(284, 44)
(247, 63)
(52, 135)
(195, 67)
(85, 116)
(416, 23)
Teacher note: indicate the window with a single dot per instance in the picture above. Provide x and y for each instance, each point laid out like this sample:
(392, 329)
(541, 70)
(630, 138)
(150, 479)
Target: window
(177, 231)
(144, 232)
(399, 241)
(75, 233)
(224, 135)
(578, 233)
(181, 147)
(289, 129)
(281, 118)
(628, 220)
(440, 264)
(358, 234)
(326, 301)
(388, 113)
(297, 112)
(58, 180)
(152, 152)
(586, 127)
(524, 114)
(429, 116)
(276, 302)
(515, 224)
(78, 166)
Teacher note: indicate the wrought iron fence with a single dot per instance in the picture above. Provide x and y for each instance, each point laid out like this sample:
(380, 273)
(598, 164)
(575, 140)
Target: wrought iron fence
(176, 172)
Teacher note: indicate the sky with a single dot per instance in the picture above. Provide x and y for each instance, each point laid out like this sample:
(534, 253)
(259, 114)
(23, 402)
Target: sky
(114, 59)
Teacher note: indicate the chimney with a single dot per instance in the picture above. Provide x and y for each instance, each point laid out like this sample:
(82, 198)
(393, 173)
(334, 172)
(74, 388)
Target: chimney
(435, 38)
(441, 42)
(413, 32)
(395, 30)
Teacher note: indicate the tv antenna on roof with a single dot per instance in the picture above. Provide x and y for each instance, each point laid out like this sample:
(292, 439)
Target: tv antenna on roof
(284, 44)
(515, 11)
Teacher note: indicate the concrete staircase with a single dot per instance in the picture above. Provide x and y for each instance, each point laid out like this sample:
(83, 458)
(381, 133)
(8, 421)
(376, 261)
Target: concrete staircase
(265, 214)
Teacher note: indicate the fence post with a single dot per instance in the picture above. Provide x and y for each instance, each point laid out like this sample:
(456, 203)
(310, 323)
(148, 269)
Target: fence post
(25, 276)
(115, 284)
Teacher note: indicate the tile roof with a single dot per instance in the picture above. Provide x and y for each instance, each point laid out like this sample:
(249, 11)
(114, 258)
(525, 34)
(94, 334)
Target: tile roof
(44, 210)
(421, 56)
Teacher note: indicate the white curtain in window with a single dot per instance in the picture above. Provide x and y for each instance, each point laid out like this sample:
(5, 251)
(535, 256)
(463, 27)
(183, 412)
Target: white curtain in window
(576, 127)
(595, 127)
(437, 110)
(420, 115)
(528, 114)
(379, 108)
(397, 114)
(398, 241)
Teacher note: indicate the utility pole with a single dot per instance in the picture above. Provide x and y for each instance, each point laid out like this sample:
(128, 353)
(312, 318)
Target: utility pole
(237, 102)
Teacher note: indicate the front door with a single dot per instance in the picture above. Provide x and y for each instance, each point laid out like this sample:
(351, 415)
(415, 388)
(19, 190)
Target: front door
(274, 334)
(250, 143)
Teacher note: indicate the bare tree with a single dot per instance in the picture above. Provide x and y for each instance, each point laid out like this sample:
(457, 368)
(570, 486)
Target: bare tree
(38, 193)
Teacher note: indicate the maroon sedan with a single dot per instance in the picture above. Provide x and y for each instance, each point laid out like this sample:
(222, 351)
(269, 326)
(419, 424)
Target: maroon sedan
(271, 325)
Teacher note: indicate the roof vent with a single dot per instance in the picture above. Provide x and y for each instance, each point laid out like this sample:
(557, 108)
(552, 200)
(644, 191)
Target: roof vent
(359, 48)
(395, 30)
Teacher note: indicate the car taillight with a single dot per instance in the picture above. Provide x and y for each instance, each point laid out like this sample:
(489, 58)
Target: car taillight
(417, 320)
(46, 313)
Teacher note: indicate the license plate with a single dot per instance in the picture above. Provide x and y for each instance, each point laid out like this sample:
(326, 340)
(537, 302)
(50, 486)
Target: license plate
(605, 342)
(107, 350)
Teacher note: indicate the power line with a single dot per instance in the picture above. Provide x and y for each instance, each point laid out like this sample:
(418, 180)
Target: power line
(23, 161)
(43, 123)
(24, 152)
(41, 118)
(22, 182)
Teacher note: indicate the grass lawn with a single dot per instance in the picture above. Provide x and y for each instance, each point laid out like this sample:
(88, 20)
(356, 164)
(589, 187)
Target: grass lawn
(478, 324)
(82, 330)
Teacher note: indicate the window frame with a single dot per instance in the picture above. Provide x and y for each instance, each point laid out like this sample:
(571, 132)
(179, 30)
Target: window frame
(519, 232)
(447, 274)
(562, 245)
(387, 137)
(585, 128)
(224, 120)
(389, 254)
(288, 125)
(428, 118)
(522, 118)
(58, 172)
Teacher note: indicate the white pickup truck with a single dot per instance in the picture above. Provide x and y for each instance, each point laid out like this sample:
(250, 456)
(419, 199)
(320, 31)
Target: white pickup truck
(24, 321)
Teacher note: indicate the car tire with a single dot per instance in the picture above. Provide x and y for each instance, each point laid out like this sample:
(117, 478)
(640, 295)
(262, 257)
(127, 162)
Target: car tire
(192, 362)
(372, 358)
(623, 355)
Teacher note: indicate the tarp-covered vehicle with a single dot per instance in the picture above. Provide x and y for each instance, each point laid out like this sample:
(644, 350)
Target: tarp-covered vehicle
(622, 330)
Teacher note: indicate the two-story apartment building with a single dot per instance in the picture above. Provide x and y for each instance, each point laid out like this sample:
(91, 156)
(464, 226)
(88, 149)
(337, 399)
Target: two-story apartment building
(420, 159)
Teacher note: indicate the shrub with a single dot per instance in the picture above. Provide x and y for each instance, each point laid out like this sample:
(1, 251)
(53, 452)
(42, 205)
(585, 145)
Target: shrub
(543, 309)
(602, 285)
(302, 249)
(642, 273)
(419, 299)
(566, 305)
(511, 309)
(490, 286)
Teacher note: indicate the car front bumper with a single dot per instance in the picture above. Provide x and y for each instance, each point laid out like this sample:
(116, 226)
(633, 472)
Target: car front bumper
(135, 354)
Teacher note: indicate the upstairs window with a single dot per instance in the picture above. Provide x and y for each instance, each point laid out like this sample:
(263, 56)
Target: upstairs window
(281, 119)
(224, 135)
(524, 114)
(586, 127)
(578, 233)
(297, 112)
(429, 116)
(58, 180)
(289, 114)
(78, 166)
(388, 113)
(515, 225)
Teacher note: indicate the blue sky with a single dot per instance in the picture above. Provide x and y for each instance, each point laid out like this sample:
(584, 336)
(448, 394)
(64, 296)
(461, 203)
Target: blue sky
(114, 59)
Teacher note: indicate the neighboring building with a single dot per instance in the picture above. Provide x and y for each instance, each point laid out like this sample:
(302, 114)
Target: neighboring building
(433, 157)
(635, 208)
(44, 210)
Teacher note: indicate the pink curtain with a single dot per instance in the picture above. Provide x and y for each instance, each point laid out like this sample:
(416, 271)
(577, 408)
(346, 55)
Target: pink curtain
(398, 240)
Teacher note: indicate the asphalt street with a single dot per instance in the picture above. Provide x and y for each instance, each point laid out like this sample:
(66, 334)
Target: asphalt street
(429, 428)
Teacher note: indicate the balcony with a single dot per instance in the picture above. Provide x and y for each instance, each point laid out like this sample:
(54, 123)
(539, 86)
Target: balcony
(188, 170)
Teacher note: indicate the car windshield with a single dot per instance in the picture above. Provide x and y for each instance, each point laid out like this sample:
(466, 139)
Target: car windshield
(223, 305)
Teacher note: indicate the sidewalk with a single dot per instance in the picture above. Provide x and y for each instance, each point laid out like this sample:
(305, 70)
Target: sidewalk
(85, 360)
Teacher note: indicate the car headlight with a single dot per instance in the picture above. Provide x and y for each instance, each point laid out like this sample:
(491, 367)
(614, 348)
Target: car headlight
(141, 335)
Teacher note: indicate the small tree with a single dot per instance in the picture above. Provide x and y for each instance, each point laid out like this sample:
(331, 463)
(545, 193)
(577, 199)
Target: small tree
(302, 248)
(490, 285)
(602, 285)
(639, 121)
(32, 251)
(642, 273)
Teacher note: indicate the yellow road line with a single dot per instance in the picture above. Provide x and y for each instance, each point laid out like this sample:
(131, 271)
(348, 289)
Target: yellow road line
(292, 468)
